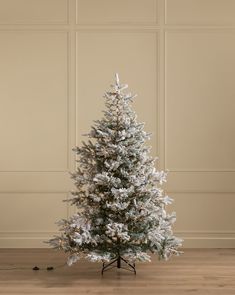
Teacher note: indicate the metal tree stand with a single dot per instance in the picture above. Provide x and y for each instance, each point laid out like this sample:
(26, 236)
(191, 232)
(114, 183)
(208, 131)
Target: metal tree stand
(113, 264)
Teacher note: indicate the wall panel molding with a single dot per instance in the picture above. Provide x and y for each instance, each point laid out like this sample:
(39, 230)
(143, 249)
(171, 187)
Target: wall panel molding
(95, 34)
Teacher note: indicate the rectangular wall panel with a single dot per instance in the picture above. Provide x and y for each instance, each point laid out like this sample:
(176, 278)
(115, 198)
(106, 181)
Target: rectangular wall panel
(112, 11)
(200, 105)
(32, 181)
(200, 12)
(201, 212)
(99, 56)
(44, 209)
(33, 92)
(202, 221)
(30, 217)
(201, 181)
(33, 11)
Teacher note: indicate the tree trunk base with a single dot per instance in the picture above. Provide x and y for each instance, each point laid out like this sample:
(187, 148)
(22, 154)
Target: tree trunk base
(117, 263)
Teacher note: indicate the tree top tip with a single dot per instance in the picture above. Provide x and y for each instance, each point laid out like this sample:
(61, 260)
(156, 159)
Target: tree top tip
(117, 79)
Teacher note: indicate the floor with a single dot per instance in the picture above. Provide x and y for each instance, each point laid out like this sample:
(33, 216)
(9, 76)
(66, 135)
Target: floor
(197, 271)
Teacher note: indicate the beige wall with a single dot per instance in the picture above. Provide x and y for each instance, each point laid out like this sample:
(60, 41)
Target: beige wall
(57, 57)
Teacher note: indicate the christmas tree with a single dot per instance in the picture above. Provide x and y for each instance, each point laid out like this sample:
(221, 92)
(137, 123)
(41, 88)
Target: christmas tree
(121, 212)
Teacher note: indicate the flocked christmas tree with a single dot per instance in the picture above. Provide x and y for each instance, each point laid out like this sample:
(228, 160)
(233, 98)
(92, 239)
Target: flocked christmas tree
(121, 212)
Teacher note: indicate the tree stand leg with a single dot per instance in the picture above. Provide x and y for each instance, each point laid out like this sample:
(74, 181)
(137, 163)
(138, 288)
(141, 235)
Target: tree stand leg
(117, 263)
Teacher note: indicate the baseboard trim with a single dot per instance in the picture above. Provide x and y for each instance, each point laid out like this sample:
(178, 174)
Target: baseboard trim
(194, 239)
(204, 239)
(25, 239)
